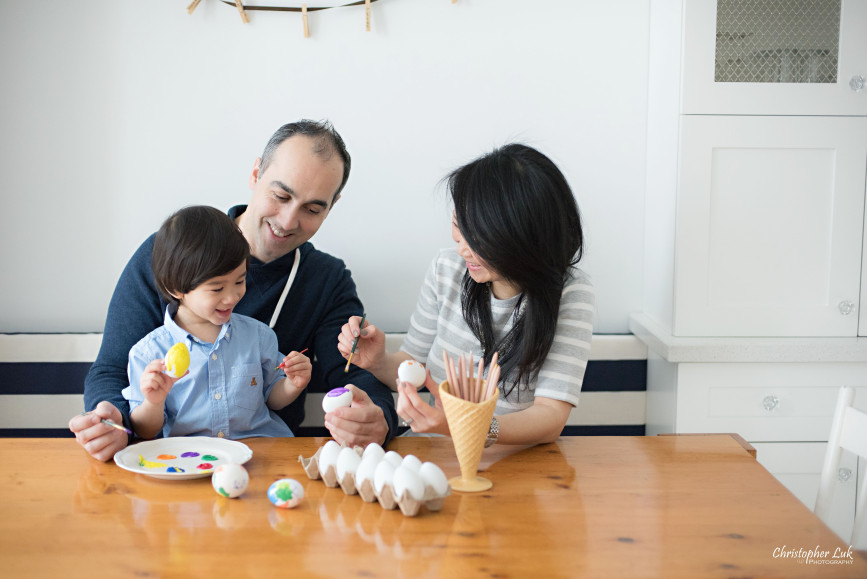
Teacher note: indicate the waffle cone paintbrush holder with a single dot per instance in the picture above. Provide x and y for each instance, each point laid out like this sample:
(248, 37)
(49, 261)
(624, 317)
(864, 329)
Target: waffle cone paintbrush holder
(468, 423)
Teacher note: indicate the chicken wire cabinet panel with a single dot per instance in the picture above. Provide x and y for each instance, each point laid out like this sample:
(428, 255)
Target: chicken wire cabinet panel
(768, 57)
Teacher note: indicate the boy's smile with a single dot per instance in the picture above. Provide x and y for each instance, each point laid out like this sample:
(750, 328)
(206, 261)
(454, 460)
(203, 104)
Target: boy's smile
(203, 310)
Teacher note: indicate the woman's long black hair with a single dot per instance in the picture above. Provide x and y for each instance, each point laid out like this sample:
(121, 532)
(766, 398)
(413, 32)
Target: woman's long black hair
(516, 211)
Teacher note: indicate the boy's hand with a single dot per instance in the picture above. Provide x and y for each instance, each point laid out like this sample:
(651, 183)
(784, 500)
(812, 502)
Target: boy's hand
(298, 369)
(155, 383)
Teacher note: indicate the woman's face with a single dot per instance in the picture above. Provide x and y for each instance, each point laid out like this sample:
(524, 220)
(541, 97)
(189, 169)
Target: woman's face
(479, 270)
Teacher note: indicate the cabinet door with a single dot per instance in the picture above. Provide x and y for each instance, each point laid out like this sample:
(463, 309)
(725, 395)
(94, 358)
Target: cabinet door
(775, 57)
(769, 221)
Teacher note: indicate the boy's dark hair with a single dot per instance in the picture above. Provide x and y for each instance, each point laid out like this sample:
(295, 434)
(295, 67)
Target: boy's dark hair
(194, 245)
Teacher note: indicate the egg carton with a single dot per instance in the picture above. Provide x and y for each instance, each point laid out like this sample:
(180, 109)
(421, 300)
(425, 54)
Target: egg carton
(329, 473)
(345, 478)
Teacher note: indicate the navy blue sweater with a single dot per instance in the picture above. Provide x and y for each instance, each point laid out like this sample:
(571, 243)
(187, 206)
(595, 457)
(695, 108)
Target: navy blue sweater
(321, 300)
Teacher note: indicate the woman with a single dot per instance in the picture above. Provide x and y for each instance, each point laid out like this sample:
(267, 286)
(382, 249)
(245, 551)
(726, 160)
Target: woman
(510, 286)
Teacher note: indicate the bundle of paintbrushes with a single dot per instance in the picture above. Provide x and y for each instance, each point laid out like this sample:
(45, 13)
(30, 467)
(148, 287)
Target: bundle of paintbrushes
(465, 385)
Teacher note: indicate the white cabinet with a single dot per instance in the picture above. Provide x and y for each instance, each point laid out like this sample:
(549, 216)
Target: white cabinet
(755, 180)
(774, 57)
(769, 219)
(755, 279)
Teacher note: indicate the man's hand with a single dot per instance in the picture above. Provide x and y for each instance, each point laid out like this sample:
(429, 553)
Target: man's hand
(100, 440)
(359, 424)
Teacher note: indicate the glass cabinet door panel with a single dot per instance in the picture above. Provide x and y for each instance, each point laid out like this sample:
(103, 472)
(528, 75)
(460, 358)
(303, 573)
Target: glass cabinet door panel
(790, 41)
(769, 57)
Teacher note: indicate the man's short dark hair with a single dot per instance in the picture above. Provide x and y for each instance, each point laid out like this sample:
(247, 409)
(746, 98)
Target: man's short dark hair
(327, 142)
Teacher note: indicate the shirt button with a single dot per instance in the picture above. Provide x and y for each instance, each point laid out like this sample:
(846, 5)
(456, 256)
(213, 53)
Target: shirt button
(213, 356)
(220, 434)
(218, 395)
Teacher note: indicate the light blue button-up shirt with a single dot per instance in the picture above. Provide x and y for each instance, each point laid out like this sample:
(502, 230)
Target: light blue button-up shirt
(228, 384)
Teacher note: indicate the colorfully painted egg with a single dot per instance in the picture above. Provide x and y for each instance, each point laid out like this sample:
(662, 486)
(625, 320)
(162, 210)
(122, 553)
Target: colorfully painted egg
(335, 399)
(177, 360)
(286, 493)
(230, 480)
(412, 372)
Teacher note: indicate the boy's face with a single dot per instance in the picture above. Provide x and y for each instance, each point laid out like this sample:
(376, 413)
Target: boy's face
(213, 301)
(291, 198)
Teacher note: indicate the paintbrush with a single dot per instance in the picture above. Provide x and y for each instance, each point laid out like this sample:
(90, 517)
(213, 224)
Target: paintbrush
(112, 424)
(355, 343)
(281, 363)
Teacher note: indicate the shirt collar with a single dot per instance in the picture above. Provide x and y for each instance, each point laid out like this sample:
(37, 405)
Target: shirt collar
(179, 334)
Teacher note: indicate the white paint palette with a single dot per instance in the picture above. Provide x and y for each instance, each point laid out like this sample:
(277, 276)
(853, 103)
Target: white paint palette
(181, 457)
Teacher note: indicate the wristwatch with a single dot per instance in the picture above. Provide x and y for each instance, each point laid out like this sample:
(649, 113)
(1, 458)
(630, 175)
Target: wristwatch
(493, 433)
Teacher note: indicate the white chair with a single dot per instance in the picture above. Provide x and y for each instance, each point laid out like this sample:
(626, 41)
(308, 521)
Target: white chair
(848, 432)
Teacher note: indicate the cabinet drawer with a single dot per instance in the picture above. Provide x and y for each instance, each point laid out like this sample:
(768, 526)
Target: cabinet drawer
(765, 402)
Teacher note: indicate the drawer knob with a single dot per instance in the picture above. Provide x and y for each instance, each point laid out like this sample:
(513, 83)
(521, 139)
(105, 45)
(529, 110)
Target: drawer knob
(846, 307)
(770, 402)
(844, 474)
(857, 83)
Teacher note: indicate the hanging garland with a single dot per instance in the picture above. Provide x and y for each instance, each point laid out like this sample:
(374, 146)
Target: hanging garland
(304, 9)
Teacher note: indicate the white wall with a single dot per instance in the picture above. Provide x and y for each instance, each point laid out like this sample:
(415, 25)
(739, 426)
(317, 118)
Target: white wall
(117, 113)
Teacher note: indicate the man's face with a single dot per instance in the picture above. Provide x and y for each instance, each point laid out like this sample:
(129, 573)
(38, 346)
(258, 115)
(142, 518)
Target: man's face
(291, 198)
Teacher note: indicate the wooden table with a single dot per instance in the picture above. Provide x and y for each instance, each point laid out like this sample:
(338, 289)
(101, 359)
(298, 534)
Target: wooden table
(590, 506)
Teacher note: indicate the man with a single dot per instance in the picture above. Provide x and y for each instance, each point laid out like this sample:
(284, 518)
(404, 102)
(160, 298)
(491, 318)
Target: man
(306, 295)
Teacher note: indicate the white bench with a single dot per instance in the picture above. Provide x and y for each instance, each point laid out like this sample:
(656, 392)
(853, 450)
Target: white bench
(41, 385)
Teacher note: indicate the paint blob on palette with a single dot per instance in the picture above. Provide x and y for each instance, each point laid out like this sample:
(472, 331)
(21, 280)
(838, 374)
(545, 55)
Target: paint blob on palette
(186, 461)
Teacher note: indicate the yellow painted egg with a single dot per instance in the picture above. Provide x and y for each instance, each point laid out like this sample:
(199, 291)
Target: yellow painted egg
(177, 360)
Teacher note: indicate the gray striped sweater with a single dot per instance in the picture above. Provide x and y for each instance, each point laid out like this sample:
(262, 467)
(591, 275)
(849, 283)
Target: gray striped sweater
(438, 324)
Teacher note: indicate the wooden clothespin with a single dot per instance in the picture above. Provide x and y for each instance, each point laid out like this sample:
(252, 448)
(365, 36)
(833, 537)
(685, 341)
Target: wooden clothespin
(191, 8)
(244, 18)
(367, 14)
(304, 18)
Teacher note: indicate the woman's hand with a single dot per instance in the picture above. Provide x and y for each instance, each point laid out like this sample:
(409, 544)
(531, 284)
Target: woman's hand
(421, 416)
(370, 352)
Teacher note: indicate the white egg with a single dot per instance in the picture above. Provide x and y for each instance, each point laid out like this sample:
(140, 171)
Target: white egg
(412, 372)
(434, 477)
(347, 462)
(336, 398)
(375, 450)
(230, 480)
(412, 462)
(383, 475)
(366, 469)
(407, 480)
(392, 457)
(328, 456)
